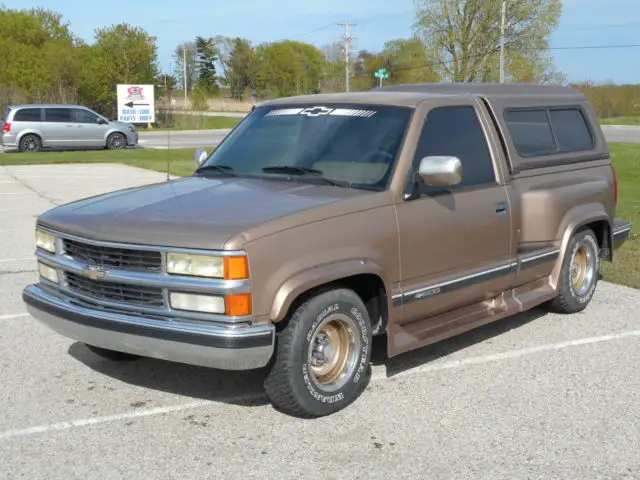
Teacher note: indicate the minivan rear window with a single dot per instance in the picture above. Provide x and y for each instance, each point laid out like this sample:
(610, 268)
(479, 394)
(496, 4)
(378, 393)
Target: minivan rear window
(6, 114)
(545, 131)
(27, 115)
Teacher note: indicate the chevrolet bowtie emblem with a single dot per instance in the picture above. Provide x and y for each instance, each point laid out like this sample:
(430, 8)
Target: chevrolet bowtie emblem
(94, 272)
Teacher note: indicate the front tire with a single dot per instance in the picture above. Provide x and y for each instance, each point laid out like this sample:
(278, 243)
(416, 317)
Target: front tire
(116, 141)
(579, 274)
(112, 354)
(322, 360)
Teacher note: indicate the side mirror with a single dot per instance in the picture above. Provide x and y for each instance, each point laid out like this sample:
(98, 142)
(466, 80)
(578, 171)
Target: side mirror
(441, 171)
(200, 156)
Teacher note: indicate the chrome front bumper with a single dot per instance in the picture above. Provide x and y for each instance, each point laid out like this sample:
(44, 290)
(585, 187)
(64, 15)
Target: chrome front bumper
(233, 347)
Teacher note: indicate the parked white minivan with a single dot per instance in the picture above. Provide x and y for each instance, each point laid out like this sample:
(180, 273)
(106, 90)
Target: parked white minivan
(30, 128)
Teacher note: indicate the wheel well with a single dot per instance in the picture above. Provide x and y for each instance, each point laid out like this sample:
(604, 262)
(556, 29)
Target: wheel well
(30, 133)
(601, 230)
(369, 287)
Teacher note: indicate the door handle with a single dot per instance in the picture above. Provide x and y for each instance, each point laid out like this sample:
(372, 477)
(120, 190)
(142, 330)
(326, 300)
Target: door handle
(501, 209)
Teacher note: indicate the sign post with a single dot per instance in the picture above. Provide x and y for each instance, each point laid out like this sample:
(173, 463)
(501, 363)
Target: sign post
(136, 103)
(382, 73)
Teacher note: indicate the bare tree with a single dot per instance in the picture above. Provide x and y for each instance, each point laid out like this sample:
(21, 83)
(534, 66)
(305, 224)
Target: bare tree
(465, 35)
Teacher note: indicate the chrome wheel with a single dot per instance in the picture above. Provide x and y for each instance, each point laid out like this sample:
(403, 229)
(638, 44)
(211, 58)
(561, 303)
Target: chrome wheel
(30, 143)
(583, 269)
(333, 352)
(116, 142)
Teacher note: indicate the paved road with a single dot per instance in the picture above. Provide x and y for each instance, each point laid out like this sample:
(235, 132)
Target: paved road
(622, 133)
(182, 139)
(536, 396)
(210, 138)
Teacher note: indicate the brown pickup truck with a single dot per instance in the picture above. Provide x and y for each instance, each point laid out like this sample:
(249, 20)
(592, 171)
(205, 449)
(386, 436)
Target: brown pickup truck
(417, 212)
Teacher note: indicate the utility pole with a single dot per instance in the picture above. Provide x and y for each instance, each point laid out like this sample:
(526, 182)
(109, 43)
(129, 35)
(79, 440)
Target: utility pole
(347, 49)
(504, 11)
(184, 68)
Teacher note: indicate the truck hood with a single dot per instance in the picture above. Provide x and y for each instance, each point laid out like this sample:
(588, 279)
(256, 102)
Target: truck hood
(193, 212)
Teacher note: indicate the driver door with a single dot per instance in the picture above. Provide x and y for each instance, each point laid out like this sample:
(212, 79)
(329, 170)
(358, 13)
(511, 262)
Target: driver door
(89, 132)
(456, 242)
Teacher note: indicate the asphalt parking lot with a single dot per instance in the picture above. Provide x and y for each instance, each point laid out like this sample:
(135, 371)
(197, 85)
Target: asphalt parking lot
(535, 396)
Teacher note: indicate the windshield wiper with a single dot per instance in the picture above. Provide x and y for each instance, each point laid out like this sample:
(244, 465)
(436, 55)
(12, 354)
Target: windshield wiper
(216, 168)
(303, 171)
(291, 169)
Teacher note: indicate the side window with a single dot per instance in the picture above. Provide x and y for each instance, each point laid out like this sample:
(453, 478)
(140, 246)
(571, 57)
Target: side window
(531, 132)
(456, 131)
(27, 115)
(571, 130)
(81, 115)
(57, 115)
(545, 131)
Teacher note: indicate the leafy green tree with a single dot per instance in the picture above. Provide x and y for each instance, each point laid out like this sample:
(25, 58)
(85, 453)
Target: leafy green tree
(286, 68)
(238, 67)
(206, 58)
(121, 54)
(36, 57)
(409, 61)
(465, 36)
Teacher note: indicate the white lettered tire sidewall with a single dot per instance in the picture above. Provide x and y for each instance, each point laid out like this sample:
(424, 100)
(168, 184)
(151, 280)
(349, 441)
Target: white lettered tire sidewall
(290, 385)
(568, 301)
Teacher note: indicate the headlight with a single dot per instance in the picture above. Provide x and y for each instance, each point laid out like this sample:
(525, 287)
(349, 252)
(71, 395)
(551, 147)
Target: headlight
(229, 268)
(46, 241)
(48, 272)
(197, 303)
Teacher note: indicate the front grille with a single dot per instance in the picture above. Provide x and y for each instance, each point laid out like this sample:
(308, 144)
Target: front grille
(110, 257)
(116, 292)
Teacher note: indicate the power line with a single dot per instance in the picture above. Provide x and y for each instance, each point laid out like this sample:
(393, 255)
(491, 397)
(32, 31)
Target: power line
(587, 47)
(486, 54)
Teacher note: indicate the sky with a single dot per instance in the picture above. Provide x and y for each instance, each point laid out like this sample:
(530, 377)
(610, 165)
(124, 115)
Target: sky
(583, 23)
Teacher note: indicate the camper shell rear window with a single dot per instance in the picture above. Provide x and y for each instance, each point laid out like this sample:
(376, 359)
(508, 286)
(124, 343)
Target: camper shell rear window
(544, 131)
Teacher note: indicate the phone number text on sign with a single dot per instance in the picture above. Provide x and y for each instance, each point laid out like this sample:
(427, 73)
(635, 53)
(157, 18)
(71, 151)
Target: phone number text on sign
(132, 115)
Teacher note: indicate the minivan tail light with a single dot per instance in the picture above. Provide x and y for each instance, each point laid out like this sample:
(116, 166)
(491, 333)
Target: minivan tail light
(6, 127)
(615, 182)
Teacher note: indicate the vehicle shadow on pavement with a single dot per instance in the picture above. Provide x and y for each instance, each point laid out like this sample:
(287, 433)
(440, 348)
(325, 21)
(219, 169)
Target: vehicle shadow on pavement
(246, 388)
(235, 388)
(436, 351)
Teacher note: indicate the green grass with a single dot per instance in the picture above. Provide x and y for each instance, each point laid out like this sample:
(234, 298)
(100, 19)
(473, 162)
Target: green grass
(197, 122)
(621, 120)
(625, 269)
(182, 163)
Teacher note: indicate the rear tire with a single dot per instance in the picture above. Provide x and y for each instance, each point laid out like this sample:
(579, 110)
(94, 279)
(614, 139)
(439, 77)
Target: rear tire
(30, 143)
(579, 275)
(112, 354)
(116, 141)
(322, 359)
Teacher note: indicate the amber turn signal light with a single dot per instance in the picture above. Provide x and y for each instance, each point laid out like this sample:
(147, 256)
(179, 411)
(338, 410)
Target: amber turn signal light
(236, 268)
(238, 305)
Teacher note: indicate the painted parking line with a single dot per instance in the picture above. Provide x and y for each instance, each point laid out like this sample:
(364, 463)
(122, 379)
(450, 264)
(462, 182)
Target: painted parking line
(15, 315)
(482, 359)
(23, 259)
(523, 352)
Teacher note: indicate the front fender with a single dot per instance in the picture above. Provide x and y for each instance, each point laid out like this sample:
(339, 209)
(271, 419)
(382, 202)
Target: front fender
(305, 280)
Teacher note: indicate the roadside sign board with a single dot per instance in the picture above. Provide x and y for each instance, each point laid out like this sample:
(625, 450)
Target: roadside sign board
(136, 103)
(382, 73)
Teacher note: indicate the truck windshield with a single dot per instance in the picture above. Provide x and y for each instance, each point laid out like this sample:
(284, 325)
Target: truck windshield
(349, 145)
